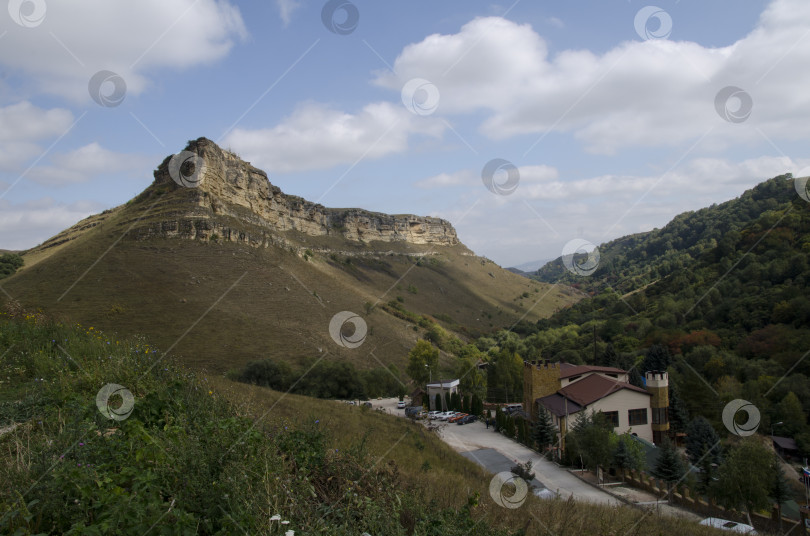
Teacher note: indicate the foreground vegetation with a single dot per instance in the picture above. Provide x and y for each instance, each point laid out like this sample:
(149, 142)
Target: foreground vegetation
(209, 456)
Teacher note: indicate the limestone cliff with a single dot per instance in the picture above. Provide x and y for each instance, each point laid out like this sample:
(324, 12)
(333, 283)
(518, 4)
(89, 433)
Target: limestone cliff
(223, 188)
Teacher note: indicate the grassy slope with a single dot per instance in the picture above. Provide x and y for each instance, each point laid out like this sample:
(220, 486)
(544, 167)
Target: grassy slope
(177, 449)
(162, 288)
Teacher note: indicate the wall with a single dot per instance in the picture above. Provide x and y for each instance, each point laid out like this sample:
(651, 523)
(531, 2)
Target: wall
(623, 401)
(539, 379)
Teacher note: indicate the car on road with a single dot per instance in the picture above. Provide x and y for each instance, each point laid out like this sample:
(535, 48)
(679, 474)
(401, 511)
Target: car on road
(401, 404)
(725, 524)
(446, 415)
(467, 419)
(457, 417)
(433, 415)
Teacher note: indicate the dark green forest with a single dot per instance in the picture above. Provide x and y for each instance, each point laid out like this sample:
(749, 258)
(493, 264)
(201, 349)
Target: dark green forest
(720, 295)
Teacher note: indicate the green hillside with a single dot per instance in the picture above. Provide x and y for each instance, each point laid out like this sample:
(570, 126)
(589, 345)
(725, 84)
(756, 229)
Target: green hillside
(161, 266)
(201, 455)
(722, 296)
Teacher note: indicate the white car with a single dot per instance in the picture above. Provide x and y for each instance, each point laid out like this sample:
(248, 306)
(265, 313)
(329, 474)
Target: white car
(725, 524)
(401, 404)
(446, 415)
(433, 415)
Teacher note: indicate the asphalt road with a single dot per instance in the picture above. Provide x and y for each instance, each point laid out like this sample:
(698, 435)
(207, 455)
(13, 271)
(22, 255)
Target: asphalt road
(475, 436)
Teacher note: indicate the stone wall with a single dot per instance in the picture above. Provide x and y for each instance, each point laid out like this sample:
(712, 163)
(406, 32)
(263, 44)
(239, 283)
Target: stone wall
(540, 378)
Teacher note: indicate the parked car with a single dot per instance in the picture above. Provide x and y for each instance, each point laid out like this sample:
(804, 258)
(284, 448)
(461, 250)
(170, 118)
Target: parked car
(725, 524)
(401, 404)
(467, 419)
(433, 415)
(457, 417)
(445, 415)
(413, 412)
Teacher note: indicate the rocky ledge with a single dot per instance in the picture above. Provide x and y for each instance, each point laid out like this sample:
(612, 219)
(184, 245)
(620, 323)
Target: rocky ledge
(222, 184)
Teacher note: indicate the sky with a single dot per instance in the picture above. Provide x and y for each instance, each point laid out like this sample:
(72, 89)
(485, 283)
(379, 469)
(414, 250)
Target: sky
(528, 125)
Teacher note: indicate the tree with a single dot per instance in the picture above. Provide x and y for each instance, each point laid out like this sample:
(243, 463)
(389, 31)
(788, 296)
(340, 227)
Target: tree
(423, 360)
(438, 402)
(455, 401)
(702, 440)
(669, 466)
(543, 432)
(591, 440)
(657, 358)
(635, 378)
(744, 477)
(792, 415)
(678, 414)
(628, 454)
(447, 399)
(779, 489)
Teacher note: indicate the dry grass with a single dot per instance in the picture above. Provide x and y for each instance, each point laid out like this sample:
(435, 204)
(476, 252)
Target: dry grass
(282, 304)
(451, 479)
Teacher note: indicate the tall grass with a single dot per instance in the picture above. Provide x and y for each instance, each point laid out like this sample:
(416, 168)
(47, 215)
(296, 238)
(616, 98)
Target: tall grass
(204, 455)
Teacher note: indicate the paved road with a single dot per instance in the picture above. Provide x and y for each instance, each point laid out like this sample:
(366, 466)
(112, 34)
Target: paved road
(475, 436)
(478, 443)
(495, 462)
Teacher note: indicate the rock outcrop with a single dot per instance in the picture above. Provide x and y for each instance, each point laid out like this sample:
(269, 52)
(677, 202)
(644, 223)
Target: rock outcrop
(221, 186)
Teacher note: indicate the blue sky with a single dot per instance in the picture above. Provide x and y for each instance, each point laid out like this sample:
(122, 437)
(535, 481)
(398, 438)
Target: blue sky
(607, 111)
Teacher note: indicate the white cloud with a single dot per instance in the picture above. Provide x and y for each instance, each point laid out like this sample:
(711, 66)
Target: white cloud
(468, 177)
(318, 137)
(22, 126)
(649, 93)
(286, 8)
(88, 162)
(545, 213)
(77, 39)
(26, 224)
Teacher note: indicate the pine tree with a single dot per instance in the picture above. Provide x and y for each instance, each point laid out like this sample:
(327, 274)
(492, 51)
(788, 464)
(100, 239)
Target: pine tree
(678, 414)
(447, 404)
(438, 402)
(702, 440)
(635, 378)
(623, 458)
(669, 467)
(657, 358)
(609, 358)
(543, 432)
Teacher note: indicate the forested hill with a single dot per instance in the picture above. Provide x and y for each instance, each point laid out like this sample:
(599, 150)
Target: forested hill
(631, 262)
(724, 289)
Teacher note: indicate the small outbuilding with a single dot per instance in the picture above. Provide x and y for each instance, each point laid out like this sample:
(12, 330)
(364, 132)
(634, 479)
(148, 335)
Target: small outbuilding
(443, 387)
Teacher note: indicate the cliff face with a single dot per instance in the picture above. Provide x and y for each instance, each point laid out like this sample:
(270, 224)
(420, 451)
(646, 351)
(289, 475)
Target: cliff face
(226, 186)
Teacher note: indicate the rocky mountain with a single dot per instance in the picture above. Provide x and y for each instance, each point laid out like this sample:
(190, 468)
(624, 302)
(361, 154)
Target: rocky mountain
(217, 264)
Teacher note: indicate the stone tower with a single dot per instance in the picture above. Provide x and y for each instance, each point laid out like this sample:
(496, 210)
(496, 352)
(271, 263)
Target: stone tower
(657, 383)
(540, 378)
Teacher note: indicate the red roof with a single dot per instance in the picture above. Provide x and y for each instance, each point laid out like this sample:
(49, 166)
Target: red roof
(595, 387)
(567, 370)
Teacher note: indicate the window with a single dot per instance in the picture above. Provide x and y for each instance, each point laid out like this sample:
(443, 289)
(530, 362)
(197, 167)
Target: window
(660, 416)
(637, 416)
(612, 417)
